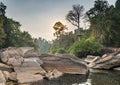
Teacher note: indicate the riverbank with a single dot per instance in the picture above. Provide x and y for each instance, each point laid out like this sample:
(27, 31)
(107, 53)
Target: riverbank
(23, 65)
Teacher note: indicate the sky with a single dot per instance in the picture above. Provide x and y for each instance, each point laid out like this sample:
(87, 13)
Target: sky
(39, 16)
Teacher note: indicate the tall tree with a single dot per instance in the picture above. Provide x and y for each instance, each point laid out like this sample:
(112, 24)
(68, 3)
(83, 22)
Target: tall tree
(100, 24)
(74, 15)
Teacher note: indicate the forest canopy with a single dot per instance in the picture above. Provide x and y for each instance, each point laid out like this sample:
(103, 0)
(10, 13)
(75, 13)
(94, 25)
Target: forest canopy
(10, 33)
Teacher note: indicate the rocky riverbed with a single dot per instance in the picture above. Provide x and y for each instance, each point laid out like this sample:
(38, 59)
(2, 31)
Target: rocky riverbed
(23, 65)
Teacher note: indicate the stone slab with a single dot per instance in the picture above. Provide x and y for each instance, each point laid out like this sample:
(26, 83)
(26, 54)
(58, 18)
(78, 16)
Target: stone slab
(29, 71)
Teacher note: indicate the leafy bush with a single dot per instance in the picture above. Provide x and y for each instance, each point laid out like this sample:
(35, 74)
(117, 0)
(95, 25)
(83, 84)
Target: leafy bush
(57, 50)
(86, 47)
(61, 50)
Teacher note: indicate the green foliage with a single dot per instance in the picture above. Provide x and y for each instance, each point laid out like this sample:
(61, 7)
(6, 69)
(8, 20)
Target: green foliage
(66, 41)
(86, 47)
(117, 4)
(61, 50)
(105, 25)
(58, 50)
(10, 33)
(2, 33)
(100, 24)
(63, 41)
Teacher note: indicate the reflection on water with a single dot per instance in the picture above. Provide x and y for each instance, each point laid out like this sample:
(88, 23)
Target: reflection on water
(66, 79)
(99, 78)
(106, 78)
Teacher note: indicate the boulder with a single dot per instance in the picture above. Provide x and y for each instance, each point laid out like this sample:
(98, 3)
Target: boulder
(15, 56)
(107, 61)
(11, 56)
(64, 63)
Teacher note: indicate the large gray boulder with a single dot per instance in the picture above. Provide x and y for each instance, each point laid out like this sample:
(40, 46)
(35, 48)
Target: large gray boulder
(64, 63)
(15, 56)
(24, 62)
(11, 56)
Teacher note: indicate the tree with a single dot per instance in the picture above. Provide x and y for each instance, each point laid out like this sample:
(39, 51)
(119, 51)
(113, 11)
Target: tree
(10, 33)
(64, 41)
(2, 9)
(100, 7)
(59, 28)
(100, 24)
(117, 4)
(2, 33)
(74, 15)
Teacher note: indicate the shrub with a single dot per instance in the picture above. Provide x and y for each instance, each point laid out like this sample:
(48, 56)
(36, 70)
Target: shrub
(58, 50)
(61, 50)
(86, 47)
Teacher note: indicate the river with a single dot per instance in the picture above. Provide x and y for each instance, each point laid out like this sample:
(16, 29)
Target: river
(94, 78)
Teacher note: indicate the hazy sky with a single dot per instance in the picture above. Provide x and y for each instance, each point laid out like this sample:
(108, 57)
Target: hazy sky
(38, 16)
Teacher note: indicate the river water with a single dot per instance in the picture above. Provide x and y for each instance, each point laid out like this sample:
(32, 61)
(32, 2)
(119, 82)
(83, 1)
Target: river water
(105, 78)
(94, 78)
